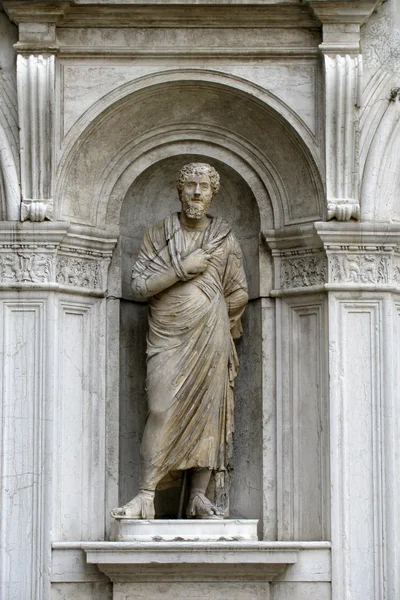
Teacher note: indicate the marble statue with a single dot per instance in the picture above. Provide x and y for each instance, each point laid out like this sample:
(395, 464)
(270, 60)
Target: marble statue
(190, 269)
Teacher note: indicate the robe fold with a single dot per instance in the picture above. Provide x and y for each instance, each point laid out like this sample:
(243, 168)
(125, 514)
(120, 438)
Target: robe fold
(191, 357)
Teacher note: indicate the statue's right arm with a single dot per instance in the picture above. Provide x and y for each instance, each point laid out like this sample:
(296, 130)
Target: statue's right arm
(151, 274)
(144, 288)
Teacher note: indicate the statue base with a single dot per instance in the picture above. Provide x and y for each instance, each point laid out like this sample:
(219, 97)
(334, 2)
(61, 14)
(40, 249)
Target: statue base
(185, 530)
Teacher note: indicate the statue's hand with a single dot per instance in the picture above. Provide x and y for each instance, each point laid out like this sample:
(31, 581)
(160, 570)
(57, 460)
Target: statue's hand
(196, 262)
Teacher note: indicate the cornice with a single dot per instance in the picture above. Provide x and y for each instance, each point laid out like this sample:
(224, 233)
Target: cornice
(343, 11)
(358, 233)
(205, 13)
(35, 12)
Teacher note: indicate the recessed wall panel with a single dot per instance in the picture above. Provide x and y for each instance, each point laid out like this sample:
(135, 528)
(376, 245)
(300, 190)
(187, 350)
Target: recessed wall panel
(22, 450)
(357, 450)
(79, 423)
(302, 422)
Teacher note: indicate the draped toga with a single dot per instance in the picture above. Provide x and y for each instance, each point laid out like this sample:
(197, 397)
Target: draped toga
(191, 357)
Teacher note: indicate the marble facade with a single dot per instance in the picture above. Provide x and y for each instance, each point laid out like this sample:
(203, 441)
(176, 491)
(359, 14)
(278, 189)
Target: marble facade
(297, 105)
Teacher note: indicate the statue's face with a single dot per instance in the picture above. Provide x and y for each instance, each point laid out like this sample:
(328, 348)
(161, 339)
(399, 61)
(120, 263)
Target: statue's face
(196, 195)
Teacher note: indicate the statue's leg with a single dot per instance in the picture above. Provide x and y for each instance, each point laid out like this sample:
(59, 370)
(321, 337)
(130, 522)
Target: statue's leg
(142, 505)
(200, 507)
(200, 480)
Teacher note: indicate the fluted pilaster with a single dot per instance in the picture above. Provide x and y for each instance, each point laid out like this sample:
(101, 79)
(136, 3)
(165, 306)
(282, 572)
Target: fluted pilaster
(35, 101)
(343, 89)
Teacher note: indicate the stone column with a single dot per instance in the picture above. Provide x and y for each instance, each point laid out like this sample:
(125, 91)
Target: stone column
(341, 22)
(363, 287)
(301, 384)
(53, 278)
(337, 291)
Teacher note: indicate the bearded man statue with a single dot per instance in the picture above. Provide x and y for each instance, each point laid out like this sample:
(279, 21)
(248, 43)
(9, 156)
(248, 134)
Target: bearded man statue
(190, 269)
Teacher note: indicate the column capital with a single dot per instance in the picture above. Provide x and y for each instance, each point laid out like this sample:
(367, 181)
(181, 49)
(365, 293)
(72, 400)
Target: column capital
(54, 256)
(37, 23)
(37, 38)
(300, 264)
(361, 256)
(329, 256)
(341, 21)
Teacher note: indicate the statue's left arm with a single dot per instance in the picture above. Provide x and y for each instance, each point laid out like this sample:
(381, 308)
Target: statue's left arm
(235, 286)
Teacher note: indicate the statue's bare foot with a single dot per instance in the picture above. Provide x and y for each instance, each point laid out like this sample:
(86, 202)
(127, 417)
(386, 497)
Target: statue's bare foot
(200, 507)
(140, 507)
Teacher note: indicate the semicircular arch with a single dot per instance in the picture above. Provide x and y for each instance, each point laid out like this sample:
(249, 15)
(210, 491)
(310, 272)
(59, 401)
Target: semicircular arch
(210, 76)
(226, 116)
(380, 167)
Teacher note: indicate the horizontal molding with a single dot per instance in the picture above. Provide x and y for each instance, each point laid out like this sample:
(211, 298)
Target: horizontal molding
(174, 561)
(339, 11)
(170, 51)
(166, 546)
(69, 562)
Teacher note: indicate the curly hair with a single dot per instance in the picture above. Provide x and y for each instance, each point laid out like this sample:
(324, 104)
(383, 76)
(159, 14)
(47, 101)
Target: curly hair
(198, 169)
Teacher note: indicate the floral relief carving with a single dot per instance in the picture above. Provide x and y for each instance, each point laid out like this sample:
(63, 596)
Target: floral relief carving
(78, 272)
(335, 268)
(383, 270)
(25, 267)
(396, 268)
(304, 271)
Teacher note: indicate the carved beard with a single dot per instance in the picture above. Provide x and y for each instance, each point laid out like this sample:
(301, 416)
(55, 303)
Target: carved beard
(194, 209)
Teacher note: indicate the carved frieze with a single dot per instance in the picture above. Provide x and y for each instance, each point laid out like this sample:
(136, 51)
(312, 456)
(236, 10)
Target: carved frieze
(56, 255)
(360, 268)
(303, 271)
(79, 272)
(334, 257)
(25, 267)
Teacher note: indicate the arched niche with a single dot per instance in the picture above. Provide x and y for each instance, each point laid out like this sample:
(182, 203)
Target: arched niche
(151, 197)
(92, 177)
(119, 174)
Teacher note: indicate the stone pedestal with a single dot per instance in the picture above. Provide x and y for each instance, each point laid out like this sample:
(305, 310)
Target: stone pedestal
(194, 530)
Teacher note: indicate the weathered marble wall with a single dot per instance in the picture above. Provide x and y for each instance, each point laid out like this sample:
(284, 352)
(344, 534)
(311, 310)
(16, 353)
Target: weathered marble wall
(297, 105)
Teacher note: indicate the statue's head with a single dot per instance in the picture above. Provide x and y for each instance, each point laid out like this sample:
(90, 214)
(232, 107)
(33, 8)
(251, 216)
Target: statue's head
(197, 185)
